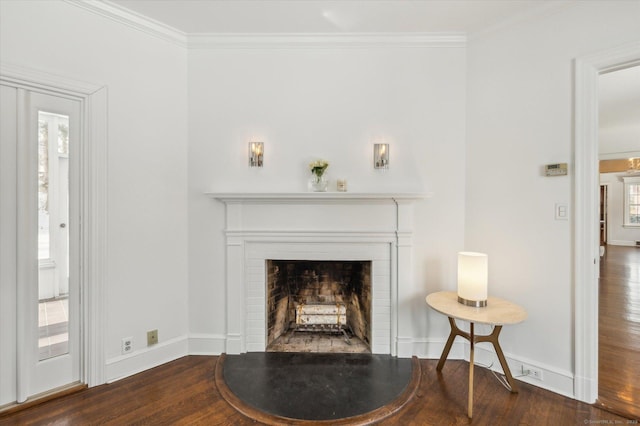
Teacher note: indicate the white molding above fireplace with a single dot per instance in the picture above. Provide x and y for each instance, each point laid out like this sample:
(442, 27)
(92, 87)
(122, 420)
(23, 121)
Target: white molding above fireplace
(315, 196)
(318, 226)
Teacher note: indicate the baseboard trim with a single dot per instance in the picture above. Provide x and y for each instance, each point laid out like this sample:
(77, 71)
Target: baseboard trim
(206, 344)
(119, 367)
(624, 243)
(42, 398)
(554, 380)
(432, 348)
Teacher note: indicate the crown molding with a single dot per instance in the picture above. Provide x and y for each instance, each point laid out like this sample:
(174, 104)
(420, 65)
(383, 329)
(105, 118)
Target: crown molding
(325, 40)
(124, 16)
(133, 20)
(35, 79)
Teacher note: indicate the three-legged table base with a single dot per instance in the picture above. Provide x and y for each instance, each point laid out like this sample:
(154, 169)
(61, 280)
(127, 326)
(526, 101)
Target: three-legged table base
(473, 339)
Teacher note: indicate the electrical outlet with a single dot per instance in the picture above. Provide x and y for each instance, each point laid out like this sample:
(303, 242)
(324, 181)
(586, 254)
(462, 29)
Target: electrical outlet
(529, 371)
(152, 337)
(127, 345)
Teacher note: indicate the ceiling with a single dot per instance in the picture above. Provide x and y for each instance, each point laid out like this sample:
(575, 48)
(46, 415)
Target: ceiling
(334, 16)
(620, 91)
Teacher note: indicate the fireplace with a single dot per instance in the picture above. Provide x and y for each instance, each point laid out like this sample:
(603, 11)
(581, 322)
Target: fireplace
(318, 306)
(373, 230)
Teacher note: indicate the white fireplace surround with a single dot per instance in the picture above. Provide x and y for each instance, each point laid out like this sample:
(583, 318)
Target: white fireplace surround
(317, 226)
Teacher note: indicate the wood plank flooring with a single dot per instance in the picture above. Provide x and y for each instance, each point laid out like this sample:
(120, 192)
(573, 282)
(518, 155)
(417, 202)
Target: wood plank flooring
(619, 331)
(183, 392)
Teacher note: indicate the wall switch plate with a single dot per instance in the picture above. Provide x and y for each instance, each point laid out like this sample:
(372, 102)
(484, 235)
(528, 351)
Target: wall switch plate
(562, 211)
(127, 345)
(152, 337)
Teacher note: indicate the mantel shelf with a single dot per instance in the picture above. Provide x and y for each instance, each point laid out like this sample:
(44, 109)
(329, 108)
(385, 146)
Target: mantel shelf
(316, 196)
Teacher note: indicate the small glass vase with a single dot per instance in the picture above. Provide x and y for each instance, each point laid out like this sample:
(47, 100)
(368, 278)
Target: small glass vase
(318, 183)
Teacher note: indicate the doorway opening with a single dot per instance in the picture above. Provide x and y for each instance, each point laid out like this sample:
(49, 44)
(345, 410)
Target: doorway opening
(619, 179)
(586, 199)
(44, 350)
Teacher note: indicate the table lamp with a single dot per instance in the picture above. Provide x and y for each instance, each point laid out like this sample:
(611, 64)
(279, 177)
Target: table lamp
(472, 279)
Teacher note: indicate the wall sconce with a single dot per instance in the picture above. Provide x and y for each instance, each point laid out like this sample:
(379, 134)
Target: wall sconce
(381, 156)
(256, 153)
(473, 277)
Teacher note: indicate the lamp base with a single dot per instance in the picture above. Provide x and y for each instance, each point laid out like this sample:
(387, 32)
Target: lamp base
(472, 303)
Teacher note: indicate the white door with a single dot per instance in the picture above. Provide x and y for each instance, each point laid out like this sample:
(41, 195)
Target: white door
(39, 220)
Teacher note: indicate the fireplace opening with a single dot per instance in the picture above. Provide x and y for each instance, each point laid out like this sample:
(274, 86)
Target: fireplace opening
(318, 306)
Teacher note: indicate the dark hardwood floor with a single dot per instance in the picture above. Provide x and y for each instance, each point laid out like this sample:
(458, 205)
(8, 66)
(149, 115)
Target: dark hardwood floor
(184, 392)
(619, 331)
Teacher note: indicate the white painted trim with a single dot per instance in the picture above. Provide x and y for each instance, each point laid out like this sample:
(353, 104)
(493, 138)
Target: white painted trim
(26, 295)
(586, 198)
(326, 40)
(124, 16)
(206, 344)
(8, 245)
(45, 82)
(94, 234)
(323, 234)
(122, 366)
(431, 348)
(129, 18)
(624, 243)
(554, 380)
(93, 253)
(323, 197)
(628, 180)
(619, 155)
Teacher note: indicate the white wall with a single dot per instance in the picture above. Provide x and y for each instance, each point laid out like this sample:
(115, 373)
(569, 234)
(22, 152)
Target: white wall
(519, 119)
(619, 113)
(146, 79)
(617, 234)
(334, 104)
(623, 138)
(510, 92)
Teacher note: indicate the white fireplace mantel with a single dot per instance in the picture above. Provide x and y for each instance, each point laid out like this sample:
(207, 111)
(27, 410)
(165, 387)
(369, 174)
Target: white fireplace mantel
(318, 226)
(315, 196)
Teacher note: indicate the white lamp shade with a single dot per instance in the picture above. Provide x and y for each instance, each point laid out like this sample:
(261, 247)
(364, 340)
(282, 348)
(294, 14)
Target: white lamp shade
(473, 277)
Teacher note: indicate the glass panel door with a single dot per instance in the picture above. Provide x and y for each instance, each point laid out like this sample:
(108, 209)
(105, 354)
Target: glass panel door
(40, 145)
(53, 234)
(53, 209)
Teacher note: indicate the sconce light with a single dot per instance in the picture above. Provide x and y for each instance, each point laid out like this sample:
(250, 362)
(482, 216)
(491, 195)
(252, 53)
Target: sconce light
(381, 156)
(256, 153)
(472, 279)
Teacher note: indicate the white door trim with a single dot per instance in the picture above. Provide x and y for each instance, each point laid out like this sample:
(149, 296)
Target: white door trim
(586, 257)
(93, 208)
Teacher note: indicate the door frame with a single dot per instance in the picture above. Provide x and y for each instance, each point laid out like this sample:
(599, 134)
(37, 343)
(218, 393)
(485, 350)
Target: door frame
(93, 208)
(586, 258)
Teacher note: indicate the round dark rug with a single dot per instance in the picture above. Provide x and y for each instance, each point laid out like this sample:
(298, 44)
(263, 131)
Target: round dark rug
(272, 387)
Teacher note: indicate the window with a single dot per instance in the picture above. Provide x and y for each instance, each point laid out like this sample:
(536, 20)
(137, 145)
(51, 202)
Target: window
(632, 201)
